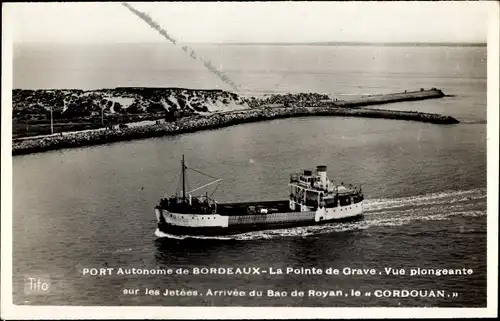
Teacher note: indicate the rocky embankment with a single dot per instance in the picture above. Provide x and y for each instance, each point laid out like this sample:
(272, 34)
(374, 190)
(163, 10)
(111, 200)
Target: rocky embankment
(213, 121)
(295, 100)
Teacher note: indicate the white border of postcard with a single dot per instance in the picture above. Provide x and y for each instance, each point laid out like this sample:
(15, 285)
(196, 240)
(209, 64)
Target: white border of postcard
(10, 311)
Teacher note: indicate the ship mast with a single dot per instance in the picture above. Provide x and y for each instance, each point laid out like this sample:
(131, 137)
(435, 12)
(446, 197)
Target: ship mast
(183, 180)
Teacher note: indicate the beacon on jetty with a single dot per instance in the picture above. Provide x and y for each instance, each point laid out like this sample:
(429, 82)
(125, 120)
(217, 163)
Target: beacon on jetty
(313, 199)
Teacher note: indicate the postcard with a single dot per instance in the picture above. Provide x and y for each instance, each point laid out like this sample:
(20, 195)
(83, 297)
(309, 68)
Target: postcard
(212, 160)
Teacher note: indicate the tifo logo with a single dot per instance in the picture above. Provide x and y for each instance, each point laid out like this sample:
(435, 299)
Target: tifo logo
(36, 285)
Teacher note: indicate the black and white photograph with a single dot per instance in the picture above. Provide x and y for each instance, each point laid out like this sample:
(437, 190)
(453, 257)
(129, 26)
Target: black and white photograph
(249, 159)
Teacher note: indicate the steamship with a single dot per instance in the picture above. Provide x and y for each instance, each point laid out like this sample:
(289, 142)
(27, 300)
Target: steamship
(313, 200)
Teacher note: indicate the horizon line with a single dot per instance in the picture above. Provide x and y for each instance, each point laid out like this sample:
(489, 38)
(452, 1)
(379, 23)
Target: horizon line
(358, 43)
(308, 43)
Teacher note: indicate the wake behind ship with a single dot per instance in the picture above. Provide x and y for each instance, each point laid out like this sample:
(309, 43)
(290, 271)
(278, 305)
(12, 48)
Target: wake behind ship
(313, 200)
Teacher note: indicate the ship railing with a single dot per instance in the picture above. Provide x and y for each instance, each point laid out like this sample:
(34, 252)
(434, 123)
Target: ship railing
(197, 205)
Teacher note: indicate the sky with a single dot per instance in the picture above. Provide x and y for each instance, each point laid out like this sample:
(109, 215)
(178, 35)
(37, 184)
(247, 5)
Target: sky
(250, 22)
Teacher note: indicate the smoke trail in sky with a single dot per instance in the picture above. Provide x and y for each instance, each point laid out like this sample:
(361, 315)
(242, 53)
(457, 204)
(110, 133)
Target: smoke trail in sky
(186, 49)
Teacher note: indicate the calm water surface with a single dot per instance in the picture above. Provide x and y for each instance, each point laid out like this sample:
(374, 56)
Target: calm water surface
(425, 184)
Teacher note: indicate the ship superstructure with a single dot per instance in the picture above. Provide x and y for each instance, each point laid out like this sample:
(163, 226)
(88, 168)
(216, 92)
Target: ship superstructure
(315, 192)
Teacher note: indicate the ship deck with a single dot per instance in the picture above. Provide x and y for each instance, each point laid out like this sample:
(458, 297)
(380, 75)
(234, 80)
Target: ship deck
(245, 208)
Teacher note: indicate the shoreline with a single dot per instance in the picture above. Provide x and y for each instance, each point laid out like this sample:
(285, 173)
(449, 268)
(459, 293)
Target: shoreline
(214, 121)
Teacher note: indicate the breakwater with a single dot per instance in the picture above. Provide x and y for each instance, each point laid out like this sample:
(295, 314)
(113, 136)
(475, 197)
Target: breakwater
(213, 121)
(318, 100)
(388, 98)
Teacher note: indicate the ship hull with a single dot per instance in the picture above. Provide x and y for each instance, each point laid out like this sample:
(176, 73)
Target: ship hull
(239, 229)
(233, 221)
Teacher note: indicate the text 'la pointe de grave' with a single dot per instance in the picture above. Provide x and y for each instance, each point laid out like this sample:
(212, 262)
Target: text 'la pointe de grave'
(274, 271)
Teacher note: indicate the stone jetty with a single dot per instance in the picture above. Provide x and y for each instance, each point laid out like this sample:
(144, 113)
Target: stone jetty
(388, 98)
(212, 121)
(318, 100)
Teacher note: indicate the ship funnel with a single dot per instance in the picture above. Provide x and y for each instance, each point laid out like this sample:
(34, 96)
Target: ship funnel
(321, 169)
